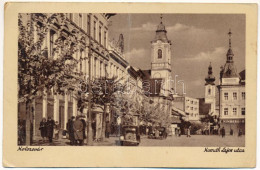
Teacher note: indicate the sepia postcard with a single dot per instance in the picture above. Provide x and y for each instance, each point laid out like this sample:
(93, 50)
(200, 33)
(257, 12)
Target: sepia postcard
(130, 85)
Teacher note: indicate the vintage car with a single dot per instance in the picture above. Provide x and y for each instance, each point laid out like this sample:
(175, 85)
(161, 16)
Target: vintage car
(130, 136)
(158, 133)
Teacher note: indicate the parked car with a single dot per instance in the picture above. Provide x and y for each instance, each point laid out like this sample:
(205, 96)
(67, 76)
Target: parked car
(130, 136)
(158, 133)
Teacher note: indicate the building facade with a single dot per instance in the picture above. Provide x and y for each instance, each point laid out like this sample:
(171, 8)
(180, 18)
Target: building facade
(106, 59)
(191, 107)
(232, 95)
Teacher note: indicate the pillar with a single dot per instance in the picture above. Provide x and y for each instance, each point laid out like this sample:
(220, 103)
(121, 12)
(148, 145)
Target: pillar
(74, 108)
(66, 108)
(44, 104)
(56, 108)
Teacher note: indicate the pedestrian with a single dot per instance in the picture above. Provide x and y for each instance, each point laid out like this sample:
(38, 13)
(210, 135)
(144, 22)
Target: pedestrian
(156, 133)
(49, 128)
(43, 129)
(71, 130)
(188, 132)
(56, 130)
(176, 132)
(108, 129)
(21, 131)
(78, 131)
(84, 127)
(239, 133)
(223, 133)
(93, 125)
(231, 132)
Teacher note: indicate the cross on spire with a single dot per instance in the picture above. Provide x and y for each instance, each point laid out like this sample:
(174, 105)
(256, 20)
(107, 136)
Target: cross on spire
(229, 33)
(161, 17)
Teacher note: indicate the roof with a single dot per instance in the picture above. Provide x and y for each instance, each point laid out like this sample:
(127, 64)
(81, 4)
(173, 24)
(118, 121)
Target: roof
(229, 71)
(152, 87)
(242, 75)
(175, 120)
(161, 34)
(204, 108)
(147, 74)
(178, 112)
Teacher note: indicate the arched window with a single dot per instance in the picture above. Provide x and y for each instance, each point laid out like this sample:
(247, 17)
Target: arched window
(159, 53)
(209, 91)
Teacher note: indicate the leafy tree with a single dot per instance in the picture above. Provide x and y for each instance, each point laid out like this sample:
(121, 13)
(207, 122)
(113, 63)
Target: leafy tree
(38, 72)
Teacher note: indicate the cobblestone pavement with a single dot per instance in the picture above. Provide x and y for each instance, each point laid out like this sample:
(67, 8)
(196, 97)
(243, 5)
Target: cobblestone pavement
(193, 141)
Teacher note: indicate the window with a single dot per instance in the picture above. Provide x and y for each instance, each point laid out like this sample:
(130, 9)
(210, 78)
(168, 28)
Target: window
(234, 111)
(100, 69)
(191, 102)
(52, 33)
(95, 65)
(243, 111)
(105, 38)
(234, 96)
(209, 91)
(191, 108)
(243, 95)
(80, 61)
(99, 34)
(159, 53)
(226, 96)
(95, 29)
(88, 26)
(225, 111)
(80, 20)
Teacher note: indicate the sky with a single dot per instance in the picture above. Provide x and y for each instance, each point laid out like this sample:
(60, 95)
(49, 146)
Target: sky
(197, 40)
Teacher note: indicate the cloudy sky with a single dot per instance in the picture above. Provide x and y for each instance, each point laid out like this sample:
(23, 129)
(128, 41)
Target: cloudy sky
(197, 40)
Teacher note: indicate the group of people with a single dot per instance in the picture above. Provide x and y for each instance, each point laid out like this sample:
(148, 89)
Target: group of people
(222, 132)
(49, 129)
(76, 128)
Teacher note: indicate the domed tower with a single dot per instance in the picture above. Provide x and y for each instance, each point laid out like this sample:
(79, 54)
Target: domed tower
(161, 55)
(210, 92)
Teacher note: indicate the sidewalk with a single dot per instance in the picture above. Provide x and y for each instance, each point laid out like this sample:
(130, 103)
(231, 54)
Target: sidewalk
(37, 141)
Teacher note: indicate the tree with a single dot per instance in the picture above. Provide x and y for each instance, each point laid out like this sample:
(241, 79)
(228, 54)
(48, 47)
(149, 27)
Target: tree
(103, 95)
(37, 71)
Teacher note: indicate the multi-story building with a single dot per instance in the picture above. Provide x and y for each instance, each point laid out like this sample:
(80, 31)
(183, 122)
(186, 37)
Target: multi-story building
(191, 107)
(106, 59)
(232, 95)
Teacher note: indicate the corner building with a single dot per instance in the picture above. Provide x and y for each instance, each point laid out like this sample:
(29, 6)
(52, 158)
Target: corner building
(232, 95)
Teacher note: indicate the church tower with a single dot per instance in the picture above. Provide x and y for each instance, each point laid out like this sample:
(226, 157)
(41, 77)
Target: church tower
(210, 91)
(228, 74)
(161, 57)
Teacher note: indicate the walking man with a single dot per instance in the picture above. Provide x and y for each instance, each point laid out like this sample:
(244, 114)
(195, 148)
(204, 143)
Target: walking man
(49, 127)
(223, 133)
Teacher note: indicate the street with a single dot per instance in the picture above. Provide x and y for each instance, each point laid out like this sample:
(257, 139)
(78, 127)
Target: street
(193, 141)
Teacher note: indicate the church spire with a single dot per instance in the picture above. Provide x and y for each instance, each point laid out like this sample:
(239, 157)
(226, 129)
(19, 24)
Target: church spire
(230, 53)
(210, 78)
(161, 33)
(230, 34)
